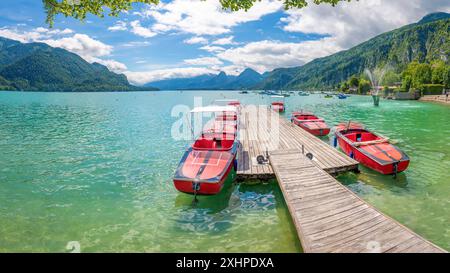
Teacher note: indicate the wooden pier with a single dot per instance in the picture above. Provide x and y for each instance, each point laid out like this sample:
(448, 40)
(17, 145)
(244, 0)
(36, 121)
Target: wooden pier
(263, 131)
(328, 217)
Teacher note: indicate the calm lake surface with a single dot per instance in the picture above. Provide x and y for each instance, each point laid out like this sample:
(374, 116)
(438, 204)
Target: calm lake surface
(96, 168)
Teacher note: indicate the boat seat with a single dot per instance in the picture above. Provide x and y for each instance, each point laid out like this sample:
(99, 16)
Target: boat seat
(378, 141)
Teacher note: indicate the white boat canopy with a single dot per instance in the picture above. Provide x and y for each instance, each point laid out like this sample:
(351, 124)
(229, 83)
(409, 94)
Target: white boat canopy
(214, 108)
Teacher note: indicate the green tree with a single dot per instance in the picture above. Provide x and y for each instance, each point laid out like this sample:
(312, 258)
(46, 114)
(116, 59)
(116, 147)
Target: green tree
(406, 82)
(391, 78)
(354, 81)
(407, 75)
(78, 9)
(422, 75)
(416, 75)
(344, 87)
(438, 71)
(364, 86)
(446, 81)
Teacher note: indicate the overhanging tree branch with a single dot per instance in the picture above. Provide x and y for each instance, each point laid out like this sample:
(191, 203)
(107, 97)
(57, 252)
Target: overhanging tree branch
(79, 9)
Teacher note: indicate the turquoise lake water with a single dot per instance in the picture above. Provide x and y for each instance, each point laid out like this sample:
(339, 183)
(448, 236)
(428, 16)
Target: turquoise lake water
(96, 168)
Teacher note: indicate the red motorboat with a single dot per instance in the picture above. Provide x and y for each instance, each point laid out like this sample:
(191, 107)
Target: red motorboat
(370, 149)
(310, 123)
(205, 166)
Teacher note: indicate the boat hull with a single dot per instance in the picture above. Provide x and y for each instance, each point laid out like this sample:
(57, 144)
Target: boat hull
(278, 108)
(204, 172)
(378, 157)
(317, 132)
(320, 128)
(311, 124)
(204, 188)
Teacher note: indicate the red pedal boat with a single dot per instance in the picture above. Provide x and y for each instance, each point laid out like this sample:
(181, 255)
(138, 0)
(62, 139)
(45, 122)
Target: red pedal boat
(222, 127)
(229, 119)
(278, 106)
(224, 102)
(370, 149)
(310, 123)
(235, 103)
(205, 166)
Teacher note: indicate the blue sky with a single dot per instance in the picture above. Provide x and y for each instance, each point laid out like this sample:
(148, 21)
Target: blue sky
(183, 38)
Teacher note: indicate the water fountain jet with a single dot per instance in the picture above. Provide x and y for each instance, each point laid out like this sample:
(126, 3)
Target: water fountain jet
(376, 77)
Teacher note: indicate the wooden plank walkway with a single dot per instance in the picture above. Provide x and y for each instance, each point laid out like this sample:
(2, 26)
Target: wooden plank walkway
(331, 218)
(263, 130)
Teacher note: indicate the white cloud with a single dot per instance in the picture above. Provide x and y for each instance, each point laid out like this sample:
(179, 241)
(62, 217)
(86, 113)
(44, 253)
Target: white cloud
(14, 35)
(225, 41)
(203, 17)
(34, 35)
(41, 29)
(89, 49)
(81, 44)
(119, 26)
(112, 65)
(212, 48)
(66, 31)
(267, 55)
(135, 44)
(140, 78)
(47, 32)
(139, 30)
(196, 40)
(204, 61)
(351, 23)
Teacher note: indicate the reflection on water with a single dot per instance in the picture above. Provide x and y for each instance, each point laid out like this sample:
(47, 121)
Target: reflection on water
(217, 213)
(97, 167)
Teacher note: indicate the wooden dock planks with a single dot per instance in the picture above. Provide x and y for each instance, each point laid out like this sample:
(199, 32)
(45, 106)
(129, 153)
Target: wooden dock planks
(264, 131)
(330, 218)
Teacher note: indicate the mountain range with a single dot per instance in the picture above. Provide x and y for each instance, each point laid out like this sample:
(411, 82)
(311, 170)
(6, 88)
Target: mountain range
(424, 41)
(221, 81)
(40, 67)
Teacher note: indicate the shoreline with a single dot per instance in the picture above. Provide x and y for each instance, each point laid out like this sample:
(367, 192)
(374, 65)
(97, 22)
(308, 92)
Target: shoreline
(441, 99)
